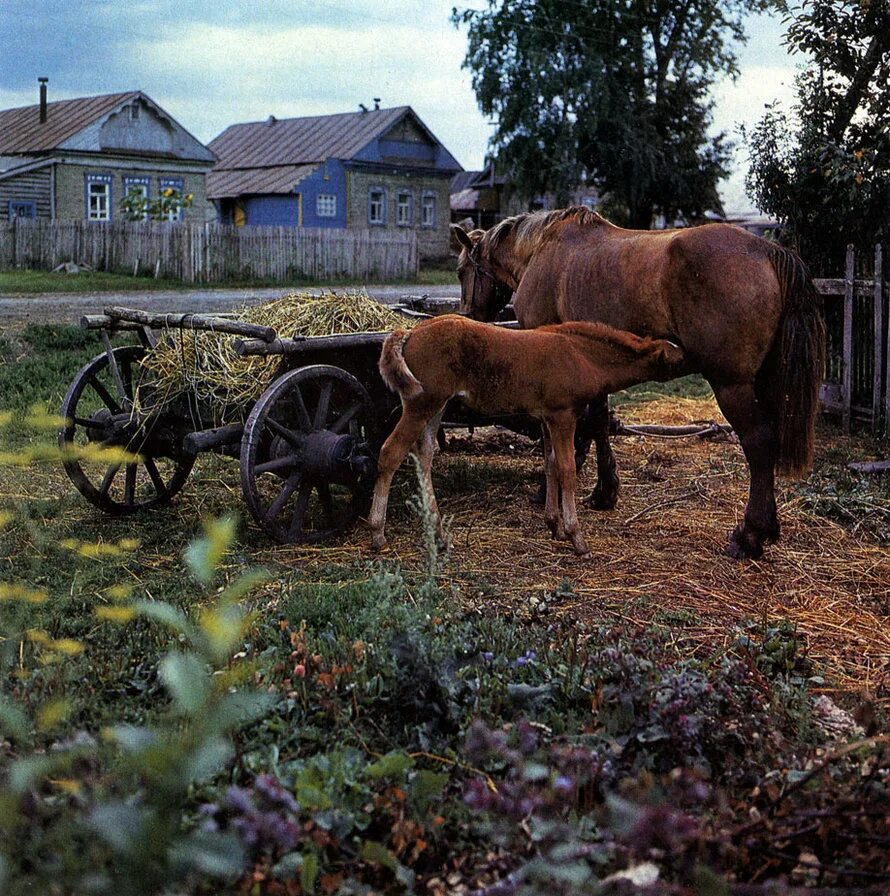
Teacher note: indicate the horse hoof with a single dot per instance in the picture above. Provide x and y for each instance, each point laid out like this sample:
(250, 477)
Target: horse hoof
(599, 500)
(379, 543)
(744, 545)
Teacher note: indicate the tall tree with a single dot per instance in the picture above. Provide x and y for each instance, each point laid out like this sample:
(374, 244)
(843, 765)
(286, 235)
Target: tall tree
(824, 172)
(609, 92)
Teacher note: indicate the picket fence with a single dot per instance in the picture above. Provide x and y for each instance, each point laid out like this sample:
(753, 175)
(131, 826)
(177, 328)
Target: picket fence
(211, 253)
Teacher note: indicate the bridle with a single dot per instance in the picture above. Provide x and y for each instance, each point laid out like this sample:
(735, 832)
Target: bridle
(480, 270)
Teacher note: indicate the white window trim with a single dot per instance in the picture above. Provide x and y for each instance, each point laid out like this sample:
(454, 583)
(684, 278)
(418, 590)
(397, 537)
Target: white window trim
(408, 204)
(428, 201)
(326, 205)
(103, 207)
(382, 220)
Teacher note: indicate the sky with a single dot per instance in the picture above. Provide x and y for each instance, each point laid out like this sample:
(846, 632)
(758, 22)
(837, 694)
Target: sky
(211, 63)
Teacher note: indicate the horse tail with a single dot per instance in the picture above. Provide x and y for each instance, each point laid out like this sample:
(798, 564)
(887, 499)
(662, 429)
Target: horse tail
(796, 362)
(393, 368)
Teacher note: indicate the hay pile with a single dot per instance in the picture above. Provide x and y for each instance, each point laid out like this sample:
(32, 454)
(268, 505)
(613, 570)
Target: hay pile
(204, 366)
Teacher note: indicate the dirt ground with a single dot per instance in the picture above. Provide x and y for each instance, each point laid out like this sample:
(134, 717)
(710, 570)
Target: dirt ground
(658, 557)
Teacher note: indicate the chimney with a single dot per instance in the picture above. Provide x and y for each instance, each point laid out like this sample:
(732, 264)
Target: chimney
(376, 102)
(42, 82)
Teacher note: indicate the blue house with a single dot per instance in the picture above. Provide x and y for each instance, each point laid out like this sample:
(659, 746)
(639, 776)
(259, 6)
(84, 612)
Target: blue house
(376, 168)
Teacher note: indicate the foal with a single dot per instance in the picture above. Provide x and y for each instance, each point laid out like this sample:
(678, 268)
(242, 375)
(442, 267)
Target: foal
(551, 373)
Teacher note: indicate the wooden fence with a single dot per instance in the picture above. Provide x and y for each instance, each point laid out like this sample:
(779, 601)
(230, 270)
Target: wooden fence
(211, 253)
(857, 376)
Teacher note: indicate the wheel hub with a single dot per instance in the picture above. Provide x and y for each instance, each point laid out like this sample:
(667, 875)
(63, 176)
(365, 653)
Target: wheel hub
(343, 459)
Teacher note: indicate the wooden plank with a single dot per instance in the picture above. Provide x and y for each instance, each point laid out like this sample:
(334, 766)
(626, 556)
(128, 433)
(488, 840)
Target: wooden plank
(848, 338)
(193, 322)
(879, 362)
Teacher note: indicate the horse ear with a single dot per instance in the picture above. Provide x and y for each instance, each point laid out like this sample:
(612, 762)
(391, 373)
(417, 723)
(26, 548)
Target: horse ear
(462, 237)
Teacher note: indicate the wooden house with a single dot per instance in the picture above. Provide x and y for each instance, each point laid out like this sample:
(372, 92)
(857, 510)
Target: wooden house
(375, 168)
(79, 158)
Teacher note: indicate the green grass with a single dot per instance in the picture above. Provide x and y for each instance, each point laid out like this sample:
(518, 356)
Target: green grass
(34, 282)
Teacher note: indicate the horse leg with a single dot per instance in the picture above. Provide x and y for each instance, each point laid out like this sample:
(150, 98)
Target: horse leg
(562, 432)
(428, 445)
(594, 423)
(551, 482)
(394, 451)
(757, 435)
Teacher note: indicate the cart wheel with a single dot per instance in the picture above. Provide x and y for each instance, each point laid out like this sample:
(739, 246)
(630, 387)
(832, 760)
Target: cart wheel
(307, 461)
(98, 410)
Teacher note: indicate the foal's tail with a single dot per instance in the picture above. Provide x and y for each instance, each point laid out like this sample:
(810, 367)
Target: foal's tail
(796, 363)
(393, 368)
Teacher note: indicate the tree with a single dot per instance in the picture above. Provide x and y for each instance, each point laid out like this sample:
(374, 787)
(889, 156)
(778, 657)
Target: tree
(613, 93)
(825, 172)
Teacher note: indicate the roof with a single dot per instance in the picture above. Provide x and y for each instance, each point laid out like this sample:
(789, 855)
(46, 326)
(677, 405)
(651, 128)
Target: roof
(22, 131)
(299, 141)
(296, 141)
(240, 181)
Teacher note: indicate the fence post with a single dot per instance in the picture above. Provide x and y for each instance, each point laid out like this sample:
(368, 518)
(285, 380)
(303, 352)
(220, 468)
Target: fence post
(878, 372)
(849, 276)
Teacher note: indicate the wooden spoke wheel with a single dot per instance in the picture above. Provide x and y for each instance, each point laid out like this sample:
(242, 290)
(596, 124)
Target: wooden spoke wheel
(98, 410)
(307, 455)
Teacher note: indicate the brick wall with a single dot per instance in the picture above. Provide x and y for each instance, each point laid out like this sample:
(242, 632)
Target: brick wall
(71, 192)
(433, 242)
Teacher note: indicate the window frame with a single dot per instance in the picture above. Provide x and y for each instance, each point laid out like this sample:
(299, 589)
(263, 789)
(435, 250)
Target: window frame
(408, 205)
(145, 184)
(177, 183)
(95, 179)
(372, 221)
(326, 200)
(16, 206)
(428, 201)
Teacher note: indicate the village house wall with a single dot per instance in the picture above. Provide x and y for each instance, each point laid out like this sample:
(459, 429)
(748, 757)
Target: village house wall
(432, 241)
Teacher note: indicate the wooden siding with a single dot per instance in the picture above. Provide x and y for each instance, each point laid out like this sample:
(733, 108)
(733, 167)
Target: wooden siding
(212, 253)
(30, 186)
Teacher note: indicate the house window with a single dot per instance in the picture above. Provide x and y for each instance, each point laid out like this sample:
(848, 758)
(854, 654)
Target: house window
(22, 210)
(172, 183)
(99, 197)
(138, 187)
(376, 205)
(326, 205)
(403, 209)
(134, 112)
(428, 210)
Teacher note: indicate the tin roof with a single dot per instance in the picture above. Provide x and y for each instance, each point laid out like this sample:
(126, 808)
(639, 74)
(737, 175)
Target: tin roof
(22, 131)
(239, 181)
(298, 141)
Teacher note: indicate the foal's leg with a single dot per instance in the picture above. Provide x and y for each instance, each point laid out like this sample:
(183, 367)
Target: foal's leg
(551, 502)
(562, 431)
(757, 433)
(595, 423)
(394, 451)
(427, 451)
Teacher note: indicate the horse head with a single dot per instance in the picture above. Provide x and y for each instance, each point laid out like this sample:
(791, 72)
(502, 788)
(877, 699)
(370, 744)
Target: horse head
(482, 294)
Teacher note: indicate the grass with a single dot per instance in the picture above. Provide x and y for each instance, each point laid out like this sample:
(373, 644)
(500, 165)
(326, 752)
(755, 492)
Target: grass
(411, 678)
(37, 282)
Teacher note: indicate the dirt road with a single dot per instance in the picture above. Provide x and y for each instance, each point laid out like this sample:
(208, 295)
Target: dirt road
(16, 312)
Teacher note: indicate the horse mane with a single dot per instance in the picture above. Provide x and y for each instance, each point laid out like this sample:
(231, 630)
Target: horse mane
(531, 230)
(599, 332)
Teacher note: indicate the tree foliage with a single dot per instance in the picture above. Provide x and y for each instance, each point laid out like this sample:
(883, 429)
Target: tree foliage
(825, 172)
(609, 92)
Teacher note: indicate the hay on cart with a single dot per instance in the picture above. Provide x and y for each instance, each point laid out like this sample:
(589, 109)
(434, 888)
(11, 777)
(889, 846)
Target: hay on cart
(205, 367)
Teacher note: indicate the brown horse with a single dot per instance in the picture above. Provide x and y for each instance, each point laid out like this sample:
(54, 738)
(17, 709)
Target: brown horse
(551, 373)
(743, 308)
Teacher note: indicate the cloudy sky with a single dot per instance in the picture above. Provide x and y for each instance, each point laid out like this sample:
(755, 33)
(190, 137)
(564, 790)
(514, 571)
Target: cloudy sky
(211, 63)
